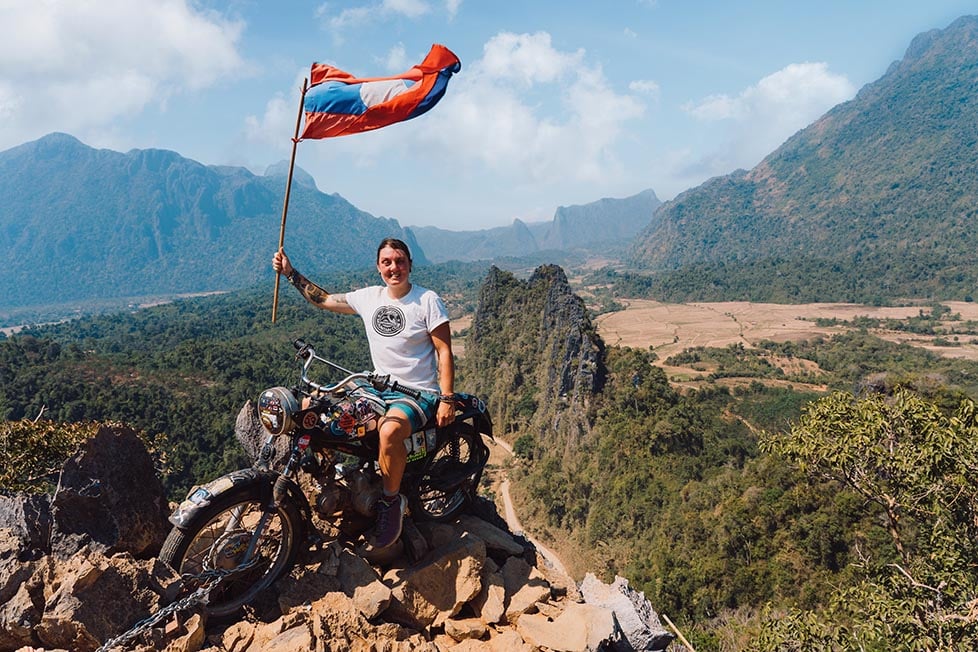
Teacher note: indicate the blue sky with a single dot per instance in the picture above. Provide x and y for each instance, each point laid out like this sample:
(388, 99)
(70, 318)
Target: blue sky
(557, 102)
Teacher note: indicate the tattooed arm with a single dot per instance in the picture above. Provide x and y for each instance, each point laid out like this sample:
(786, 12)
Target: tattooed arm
(314, 294)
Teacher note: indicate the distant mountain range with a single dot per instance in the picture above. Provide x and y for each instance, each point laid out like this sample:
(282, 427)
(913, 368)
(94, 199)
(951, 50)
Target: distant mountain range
(78, 223)
(599, 227)
(882, 189)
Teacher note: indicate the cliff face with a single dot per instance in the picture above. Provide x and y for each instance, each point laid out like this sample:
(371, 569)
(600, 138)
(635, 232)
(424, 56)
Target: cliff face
(534, 354)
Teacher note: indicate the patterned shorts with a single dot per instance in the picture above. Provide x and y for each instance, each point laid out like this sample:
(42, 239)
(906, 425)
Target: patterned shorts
(418, 411)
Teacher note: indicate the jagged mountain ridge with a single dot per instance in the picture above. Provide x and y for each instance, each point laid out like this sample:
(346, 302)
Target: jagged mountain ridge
(598, 226)
(534, 353)
(883, 185)
(79, 223)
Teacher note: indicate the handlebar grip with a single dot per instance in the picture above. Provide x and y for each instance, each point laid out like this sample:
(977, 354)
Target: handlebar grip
(381, 383)
(413, 393)
(302, 349)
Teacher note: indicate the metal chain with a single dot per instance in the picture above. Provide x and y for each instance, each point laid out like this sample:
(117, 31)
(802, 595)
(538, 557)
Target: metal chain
(208, 579)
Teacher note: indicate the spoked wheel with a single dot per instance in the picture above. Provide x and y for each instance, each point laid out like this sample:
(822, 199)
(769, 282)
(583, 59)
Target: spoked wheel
(222, 540)
(452, 476)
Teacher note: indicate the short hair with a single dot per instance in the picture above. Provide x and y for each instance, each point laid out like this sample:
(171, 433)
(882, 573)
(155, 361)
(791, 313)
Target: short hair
(396, 244)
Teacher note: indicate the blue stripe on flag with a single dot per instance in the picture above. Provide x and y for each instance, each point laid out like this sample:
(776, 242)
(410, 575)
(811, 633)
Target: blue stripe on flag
(335, 97)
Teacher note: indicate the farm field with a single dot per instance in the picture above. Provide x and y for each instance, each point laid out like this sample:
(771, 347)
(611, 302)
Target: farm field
(671, 328)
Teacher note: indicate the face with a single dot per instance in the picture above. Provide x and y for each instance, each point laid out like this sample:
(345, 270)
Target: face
(394, 266)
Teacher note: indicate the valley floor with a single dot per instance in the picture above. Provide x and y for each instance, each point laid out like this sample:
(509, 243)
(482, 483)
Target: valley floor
(671, 328)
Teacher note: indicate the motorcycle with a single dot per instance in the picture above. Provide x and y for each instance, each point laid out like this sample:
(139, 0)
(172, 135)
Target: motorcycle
(243, 531)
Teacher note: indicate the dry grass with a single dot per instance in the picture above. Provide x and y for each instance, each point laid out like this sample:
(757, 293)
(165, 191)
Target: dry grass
(670, 328)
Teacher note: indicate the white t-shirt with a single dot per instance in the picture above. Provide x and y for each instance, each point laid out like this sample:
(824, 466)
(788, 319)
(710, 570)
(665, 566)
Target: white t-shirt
(399, 332)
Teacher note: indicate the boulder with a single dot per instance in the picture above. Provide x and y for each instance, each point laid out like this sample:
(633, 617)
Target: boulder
(25, 527)
(490, 603)
(636, 618)
(436, 589)
(525, 586)
(91, 598)
(21, 612)
(110, 498)
(361, 583)
(465, 628)
(252, 437)
(579, 628)
(509, 641)
(495, 538)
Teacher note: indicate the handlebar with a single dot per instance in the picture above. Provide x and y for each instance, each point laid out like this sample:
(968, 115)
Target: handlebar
(380, 382)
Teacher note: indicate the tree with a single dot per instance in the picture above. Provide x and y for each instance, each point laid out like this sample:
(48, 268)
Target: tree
(914, 464)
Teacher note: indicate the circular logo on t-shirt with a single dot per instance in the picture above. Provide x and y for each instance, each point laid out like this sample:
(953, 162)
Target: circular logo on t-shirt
(388, 321)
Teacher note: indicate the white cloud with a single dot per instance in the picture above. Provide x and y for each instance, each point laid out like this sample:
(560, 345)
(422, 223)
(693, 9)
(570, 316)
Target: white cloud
(644, 87)
(384, 10)
(409, 8)
(452, 7)
(397, 60)
(764, 115)
(264, 135)
(347, 18)
(78, 65)
(556, 125)
(278, 119)
(799, 92)
(527, 58)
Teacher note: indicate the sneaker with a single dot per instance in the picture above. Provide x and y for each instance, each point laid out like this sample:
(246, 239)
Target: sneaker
(390, 514)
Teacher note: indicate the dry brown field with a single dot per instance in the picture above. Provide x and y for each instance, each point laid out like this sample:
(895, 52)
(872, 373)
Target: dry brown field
(670, 328)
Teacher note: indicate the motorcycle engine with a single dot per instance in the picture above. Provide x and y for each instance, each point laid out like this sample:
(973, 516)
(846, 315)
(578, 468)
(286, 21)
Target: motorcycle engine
(365, 490)
(329, 499)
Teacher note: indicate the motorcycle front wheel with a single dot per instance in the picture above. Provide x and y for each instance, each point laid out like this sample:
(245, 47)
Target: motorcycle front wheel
(221, 541)
(452, 476)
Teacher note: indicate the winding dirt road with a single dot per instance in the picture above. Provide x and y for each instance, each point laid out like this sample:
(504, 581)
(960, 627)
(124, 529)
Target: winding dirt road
(513, 521)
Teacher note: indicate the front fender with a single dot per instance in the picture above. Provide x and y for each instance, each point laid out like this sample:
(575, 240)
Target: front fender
(242, 480)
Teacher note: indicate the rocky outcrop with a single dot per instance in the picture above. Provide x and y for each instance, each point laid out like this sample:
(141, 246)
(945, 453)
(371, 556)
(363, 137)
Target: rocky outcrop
(638, 622)
(535, 355)
(478, 587)
(78, 566)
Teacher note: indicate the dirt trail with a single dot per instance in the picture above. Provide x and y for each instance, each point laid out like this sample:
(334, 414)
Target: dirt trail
(513, 521)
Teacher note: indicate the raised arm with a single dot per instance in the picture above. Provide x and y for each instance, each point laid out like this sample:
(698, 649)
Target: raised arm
(314, 294)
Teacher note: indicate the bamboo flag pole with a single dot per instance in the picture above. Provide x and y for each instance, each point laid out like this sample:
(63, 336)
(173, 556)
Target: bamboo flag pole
(682, 638)
(288, 191)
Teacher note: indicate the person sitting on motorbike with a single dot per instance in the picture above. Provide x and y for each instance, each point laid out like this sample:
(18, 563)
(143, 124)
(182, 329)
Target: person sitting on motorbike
(410, 338)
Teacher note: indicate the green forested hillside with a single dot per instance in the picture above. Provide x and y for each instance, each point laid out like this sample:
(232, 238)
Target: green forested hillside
(875, 199)
(182, 370)
(670, 488)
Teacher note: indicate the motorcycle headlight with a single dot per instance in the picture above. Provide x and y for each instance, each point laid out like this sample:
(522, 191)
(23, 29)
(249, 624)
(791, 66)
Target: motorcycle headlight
(275, 409)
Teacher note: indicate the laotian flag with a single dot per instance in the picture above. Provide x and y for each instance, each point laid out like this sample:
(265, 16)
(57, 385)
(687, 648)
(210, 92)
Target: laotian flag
(337, 103)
